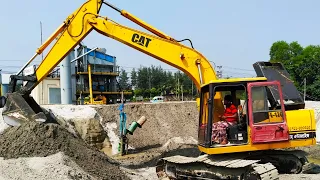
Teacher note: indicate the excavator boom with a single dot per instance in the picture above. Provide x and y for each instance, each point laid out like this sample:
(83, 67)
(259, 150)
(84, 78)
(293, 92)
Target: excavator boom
(75, 28)
(160, 46)
(188, 60)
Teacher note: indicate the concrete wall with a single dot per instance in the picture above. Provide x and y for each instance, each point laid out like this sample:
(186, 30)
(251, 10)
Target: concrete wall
(41, 92)
(5, 78)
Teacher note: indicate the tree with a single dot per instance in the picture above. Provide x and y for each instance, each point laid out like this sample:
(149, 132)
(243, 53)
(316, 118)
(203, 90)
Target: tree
(287, 54)
(301, 63)
(280, 51)
(295, 49)
(138, 92)
(124, 80)
(143, 78)
(153, 81)
(134, 78)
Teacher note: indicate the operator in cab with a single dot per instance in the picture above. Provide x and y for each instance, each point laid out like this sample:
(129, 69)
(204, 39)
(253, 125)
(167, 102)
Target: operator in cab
(230, 116)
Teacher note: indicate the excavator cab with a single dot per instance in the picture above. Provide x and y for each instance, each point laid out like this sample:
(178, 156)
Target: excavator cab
(260, 118)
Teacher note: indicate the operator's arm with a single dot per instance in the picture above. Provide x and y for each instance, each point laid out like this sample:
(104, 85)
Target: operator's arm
(230, 116)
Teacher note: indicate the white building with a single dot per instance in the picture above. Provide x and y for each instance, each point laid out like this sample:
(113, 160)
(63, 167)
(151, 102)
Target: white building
(5, 79)
(47, 91)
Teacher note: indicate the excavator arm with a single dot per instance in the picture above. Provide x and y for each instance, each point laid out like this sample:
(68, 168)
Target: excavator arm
(72, 31)
(75, 28)
(159, 46)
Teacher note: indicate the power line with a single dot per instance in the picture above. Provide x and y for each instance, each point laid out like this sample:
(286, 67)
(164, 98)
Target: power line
(18, 60)
(239, 73)
(310, 97)
(228, 67)
(10, 66)
(219, 72)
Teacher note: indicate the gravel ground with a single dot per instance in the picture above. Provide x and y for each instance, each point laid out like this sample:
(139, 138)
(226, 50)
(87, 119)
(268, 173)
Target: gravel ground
(299, 177)
(55, 167)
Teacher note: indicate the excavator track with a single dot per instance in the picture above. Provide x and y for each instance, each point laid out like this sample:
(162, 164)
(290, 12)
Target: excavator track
(215, 167)
(286, 161)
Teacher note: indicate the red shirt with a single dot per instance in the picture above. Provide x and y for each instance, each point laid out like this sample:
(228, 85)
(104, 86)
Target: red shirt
(229, 111)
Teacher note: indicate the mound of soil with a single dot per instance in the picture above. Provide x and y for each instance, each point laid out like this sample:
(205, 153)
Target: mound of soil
(40, 140)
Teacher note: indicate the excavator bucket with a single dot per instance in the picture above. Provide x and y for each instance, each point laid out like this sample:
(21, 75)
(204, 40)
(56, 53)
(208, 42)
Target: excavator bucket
(18, 109)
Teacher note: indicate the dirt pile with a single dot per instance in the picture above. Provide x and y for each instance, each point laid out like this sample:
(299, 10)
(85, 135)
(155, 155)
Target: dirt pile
(82, 121)
(54, 167)
(40, 140)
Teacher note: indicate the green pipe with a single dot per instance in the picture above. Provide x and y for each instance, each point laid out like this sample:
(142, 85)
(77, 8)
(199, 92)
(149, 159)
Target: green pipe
(133, 127)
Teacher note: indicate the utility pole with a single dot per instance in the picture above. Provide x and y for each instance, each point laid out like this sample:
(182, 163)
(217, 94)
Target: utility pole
(191, 89)
(182, 92)
(149, 87)
(122, 97)
(305, 87)
(219, 72)
(178, 88)
(41, 36)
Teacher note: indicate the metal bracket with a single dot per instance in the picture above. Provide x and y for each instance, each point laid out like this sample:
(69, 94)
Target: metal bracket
(199, 69)
(24, 89)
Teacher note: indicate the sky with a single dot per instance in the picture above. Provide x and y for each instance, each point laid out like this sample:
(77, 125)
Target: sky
(232, 34)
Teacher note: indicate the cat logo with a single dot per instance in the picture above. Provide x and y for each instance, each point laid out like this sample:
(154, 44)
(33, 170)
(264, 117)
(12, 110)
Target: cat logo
(141, 40)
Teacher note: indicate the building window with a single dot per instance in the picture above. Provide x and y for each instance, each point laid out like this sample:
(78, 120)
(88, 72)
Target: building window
(54, 96)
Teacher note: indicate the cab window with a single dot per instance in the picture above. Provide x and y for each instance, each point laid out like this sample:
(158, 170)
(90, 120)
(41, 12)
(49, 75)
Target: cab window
(263, 111)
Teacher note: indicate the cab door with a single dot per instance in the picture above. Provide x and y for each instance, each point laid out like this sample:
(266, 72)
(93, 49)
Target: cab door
(267, 117)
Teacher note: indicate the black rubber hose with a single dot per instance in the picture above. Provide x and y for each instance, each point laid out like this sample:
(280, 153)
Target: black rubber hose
(187, 40)
(2, 101)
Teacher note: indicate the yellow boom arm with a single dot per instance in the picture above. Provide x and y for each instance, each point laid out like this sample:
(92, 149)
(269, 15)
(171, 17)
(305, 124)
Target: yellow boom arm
(160, 46)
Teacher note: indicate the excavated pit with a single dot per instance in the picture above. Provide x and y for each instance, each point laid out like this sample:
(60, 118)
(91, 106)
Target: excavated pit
(171, 128)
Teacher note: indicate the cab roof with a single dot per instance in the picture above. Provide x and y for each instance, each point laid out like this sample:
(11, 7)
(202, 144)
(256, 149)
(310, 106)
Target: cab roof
(234, 80)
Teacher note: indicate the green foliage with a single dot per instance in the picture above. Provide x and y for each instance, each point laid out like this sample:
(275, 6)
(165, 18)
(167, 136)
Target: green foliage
(154, 81)
(133, 78)
(124, 80)
(280, 51)
(301, 63)
(138, 92)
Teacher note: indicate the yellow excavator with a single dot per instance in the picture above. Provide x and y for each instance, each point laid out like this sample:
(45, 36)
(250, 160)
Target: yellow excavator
(272, 119)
